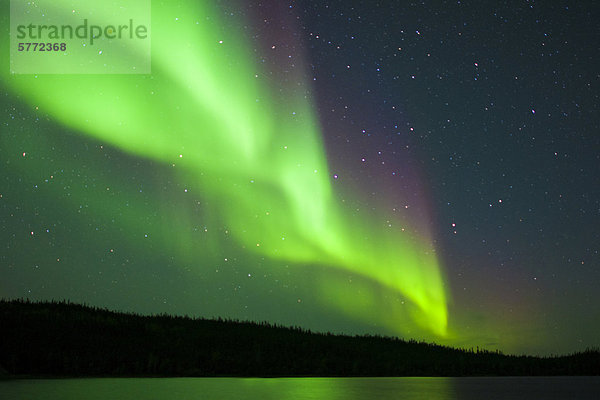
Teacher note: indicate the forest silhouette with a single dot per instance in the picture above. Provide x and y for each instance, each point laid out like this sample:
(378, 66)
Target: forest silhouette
(65, 339)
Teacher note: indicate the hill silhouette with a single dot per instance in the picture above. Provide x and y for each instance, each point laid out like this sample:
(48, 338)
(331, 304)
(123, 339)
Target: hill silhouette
(64, 339)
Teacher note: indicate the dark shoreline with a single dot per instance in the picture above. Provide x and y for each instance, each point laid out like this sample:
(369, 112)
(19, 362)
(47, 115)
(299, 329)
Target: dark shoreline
(53, 377)
(63, 340)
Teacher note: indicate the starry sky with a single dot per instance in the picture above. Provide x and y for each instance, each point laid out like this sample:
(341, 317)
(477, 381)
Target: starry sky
(427, 170)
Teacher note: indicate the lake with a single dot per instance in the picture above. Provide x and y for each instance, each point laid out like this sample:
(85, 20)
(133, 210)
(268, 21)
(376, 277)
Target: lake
(513, 388)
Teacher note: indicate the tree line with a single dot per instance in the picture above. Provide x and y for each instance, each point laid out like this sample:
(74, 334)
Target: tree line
(65, 339)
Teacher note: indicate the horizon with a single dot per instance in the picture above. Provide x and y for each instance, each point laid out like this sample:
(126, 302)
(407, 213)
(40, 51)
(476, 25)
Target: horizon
(473, 349)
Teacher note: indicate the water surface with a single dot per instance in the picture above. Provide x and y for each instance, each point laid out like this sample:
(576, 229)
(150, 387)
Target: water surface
(515, 388)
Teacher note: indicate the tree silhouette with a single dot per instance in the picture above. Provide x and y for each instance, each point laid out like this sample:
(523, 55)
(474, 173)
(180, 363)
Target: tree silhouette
(65, 339)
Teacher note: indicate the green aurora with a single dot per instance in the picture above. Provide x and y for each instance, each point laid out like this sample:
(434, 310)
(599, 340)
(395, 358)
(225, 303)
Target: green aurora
(251, 147)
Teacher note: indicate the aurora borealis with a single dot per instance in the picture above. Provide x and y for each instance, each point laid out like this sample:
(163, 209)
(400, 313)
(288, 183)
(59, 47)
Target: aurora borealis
(318, 165)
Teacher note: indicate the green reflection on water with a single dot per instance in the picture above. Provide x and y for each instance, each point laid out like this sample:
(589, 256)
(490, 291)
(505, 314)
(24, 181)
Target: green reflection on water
(229, 388)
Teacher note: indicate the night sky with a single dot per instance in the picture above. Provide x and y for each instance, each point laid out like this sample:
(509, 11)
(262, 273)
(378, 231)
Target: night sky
(427, 170)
